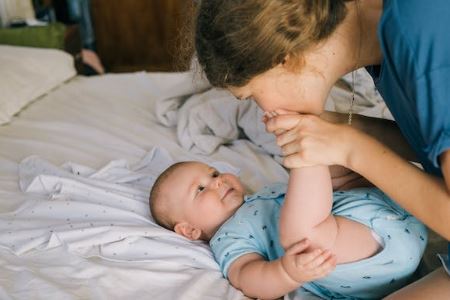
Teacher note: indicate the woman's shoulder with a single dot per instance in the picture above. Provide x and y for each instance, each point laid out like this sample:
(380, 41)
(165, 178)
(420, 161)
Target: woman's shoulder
(414, 39)
(416, 20)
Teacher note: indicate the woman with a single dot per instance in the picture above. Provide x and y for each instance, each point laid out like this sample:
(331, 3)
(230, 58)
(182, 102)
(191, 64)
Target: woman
(288, 54)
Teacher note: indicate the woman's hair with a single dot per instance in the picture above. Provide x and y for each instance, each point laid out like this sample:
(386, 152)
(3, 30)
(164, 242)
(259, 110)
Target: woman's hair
(236, 40)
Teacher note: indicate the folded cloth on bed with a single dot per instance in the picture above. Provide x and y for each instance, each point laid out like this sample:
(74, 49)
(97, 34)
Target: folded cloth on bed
(98, 213)
(214, 118)
(172, 90)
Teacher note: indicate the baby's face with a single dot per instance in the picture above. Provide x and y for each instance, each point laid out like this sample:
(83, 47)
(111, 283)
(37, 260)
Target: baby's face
(205, 197)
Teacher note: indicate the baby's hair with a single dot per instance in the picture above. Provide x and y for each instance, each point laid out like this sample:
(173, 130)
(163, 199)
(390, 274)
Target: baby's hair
(236, 40)
(159, 208)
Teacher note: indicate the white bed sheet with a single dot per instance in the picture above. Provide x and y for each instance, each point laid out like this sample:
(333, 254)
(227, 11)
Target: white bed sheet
(87, 123)
(90, 122)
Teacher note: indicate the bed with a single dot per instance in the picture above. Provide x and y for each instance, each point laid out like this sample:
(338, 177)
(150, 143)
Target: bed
(78, 156)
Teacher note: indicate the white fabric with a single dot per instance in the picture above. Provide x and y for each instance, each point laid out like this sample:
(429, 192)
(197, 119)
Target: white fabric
(214, 118)
(103, 128)
(100, 213)
(171, 97)
(368, 101)
(28, 73)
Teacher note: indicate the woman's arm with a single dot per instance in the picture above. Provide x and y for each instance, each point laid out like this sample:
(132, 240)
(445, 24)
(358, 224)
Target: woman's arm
(436, 283)
(425, 196)
(385, 131)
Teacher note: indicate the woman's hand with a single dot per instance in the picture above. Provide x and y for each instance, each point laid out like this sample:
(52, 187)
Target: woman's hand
(307, 140)
(342, 177)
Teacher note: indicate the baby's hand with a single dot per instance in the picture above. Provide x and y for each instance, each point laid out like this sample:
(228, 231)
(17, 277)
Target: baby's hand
(267, 116)
(307, 266)
(272, 114)
(278, 112)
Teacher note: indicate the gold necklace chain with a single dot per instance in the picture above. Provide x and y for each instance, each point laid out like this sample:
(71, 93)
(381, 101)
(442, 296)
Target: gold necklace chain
(350, 111)
(352, 101)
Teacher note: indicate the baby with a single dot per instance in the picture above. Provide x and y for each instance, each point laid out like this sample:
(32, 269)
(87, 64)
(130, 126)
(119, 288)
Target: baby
(255, 238)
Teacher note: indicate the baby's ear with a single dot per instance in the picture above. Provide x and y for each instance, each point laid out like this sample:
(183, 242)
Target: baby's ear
(188, 231)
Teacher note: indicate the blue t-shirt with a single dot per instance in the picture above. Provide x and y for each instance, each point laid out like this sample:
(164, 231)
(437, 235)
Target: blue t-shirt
(414, 77)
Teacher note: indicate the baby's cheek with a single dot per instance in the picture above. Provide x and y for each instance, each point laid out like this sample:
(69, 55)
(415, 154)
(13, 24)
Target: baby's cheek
(239, 186)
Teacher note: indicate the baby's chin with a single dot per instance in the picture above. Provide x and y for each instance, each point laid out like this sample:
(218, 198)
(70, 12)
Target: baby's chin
(237, 197)
(238, 200)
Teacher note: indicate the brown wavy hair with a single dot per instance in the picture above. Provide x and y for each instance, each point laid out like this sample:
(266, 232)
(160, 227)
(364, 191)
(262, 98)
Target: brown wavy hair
(236, 40)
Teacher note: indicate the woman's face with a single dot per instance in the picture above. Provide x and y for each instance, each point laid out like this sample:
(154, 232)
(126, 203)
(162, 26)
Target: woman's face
(281, 88)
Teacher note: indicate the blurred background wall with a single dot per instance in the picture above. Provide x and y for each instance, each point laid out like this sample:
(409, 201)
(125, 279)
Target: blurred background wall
(141, 34)
(113, 35)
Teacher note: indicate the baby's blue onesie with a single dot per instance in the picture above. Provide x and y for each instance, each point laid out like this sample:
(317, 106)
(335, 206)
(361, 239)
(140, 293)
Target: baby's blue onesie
(254, 229)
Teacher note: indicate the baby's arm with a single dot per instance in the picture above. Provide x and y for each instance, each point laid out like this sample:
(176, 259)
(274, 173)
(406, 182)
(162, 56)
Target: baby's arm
(306, 212)
(308, 201)
(259, 278)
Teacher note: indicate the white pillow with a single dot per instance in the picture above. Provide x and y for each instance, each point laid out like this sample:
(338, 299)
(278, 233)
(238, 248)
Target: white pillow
(28, 73)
